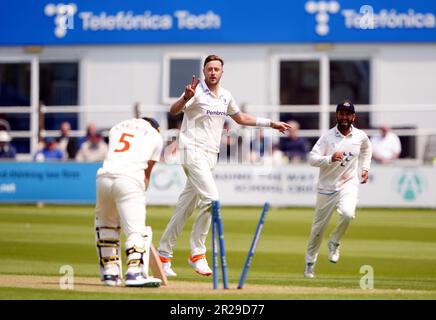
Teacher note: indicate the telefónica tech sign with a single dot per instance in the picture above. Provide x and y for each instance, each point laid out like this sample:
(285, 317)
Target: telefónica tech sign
(171, 21)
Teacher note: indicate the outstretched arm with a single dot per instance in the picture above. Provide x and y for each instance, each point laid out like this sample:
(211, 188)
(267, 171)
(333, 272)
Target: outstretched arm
(178, 106)
(249, 120)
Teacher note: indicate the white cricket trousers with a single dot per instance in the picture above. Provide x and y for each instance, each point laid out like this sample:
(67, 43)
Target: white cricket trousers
(345, 202)
(121, 203)
(200, 190)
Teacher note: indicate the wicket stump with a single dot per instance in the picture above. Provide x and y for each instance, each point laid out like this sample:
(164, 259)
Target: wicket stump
(218, 224)
(253, 245)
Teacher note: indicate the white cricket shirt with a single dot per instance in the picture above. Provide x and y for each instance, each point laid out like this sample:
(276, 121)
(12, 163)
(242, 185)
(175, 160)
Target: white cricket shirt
(204, 119)
(132, 143)
(357, 150)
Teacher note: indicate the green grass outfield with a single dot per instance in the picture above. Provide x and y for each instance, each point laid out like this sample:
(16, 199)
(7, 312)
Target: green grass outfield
(399, 244)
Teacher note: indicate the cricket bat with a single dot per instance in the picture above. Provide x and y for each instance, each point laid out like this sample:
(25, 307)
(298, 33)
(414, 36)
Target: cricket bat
(156, 266)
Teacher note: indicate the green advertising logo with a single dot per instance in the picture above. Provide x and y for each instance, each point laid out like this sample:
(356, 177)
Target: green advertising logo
(410, 185)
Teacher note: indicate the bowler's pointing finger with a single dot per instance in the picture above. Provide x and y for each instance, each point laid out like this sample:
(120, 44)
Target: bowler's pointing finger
(196, 84)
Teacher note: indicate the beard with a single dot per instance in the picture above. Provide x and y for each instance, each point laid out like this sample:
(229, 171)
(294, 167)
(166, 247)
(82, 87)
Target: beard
(345, 125)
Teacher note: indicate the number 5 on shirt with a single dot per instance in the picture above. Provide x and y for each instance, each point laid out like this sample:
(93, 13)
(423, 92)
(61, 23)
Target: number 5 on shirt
(124, 141)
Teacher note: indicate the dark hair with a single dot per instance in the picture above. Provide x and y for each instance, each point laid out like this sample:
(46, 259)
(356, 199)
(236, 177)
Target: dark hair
(213, 57)
(153, 123)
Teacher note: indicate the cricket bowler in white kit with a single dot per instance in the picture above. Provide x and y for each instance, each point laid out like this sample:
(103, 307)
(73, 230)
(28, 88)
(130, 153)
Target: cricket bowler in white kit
(205, 105)
(339, 153)
(134, 147)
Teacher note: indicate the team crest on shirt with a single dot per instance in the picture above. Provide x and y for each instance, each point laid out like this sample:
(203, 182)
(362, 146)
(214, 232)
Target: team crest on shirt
(222, 97)
(347, 157)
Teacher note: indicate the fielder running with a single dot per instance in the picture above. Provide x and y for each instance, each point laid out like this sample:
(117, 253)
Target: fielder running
(134, 147)
(205, 105)
(337, 154)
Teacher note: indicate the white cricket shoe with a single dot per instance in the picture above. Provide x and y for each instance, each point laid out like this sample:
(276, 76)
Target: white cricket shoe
(138, 280)
(168, 270)
(199, 263)
(309, 270)
(111, 280)
(111, 277)
(333, 251)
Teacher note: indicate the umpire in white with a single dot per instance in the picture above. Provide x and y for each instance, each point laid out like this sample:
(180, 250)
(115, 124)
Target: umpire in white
(343, 156)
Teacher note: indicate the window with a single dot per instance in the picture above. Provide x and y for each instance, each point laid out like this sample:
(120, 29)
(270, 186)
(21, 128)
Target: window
(177, 74)
(15, 92)
(300, 85)
(14, 84)
(350, 80)
(299, 82)
(59, 83)
(59, 87)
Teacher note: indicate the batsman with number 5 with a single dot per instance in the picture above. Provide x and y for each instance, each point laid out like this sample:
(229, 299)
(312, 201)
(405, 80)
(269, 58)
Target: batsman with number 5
(134, 147)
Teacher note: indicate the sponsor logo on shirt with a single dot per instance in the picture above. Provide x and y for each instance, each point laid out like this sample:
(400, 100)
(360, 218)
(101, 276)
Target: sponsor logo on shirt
(216, 113)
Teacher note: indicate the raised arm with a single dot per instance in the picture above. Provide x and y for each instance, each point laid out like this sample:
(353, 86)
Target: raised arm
(178, 106)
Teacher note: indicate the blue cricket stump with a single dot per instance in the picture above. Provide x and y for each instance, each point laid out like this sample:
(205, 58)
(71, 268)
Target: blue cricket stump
(218, 224)
(214, 250)
(253, 245)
